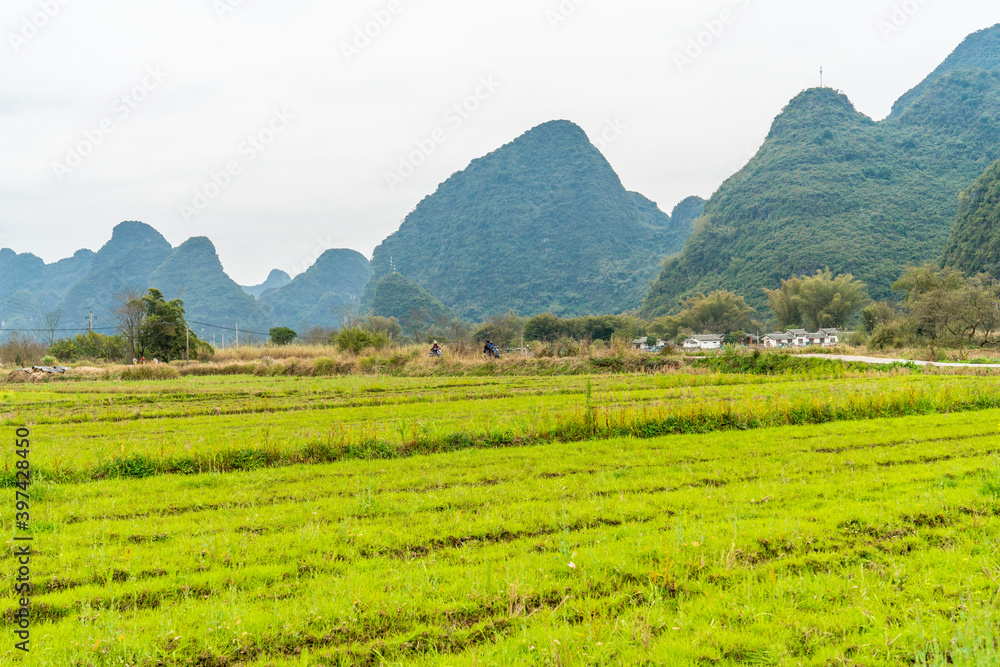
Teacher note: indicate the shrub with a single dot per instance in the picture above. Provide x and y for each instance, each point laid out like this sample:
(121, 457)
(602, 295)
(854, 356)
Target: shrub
(324, 366)
(91, 345)
(891, 336)
(19, 350)
(65, 350)
(355, 339)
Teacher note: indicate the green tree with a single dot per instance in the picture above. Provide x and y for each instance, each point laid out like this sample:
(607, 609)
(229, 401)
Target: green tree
(718, 313)
(163, 333)
(281, 335)
(945, 306)
(818, 301)
(545, 327)
(504, 330)
(878, 314)
(667, 327)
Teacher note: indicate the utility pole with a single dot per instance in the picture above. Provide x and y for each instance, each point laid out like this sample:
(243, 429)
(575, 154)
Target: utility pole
(237, 334)
(90, 320)
(187, 345)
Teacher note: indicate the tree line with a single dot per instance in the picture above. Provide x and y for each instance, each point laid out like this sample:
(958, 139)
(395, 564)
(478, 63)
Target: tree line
(936, 306)
(149, 327)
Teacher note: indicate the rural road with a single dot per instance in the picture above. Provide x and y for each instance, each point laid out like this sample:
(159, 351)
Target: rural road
(880, 360)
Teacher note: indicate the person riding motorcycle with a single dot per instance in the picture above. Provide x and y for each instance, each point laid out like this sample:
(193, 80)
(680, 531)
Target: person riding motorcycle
(436, 350)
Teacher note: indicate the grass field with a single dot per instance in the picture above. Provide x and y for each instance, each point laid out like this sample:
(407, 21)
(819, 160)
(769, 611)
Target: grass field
(842, 517)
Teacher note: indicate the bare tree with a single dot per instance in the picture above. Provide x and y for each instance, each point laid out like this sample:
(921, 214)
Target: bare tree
(52, 323)
(346, 315)
(129, 315)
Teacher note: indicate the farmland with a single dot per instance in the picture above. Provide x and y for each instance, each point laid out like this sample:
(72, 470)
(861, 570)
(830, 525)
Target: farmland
(690, 517)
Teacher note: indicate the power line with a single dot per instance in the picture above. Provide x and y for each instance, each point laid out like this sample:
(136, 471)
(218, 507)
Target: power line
(5, 329)
(217, 326)
(204, 324)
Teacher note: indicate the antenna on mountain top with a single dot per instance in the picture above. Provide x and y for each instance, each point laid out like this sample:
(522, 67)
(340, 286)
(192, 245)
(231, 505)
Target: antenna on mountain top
(821, 76)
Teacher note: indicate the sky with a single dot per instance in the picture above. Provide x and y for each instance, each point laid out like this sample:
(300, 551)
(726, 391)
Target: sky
(280, 130)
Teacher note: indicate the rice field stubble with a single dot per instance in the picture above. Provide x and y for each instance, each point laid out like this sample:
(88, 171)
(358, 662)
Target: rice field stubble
(785, 520)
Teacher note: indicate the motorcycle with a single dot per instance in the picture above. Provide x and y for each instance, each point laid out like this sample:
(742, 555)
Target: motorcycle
(437, 353)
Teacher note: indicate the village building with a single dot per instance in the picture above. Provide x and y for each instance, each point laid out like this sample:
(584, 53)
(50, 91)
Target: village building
(778, 340)
(644, 345)
(706, 342)
(802, 338)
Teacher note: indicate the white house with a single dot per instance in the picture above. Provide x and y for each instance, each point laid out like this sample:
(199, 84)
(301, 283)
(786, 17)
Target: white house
(706, 342)
(833, 336)
(645, 345)
(778, 340)
(824, 337)
(802, 338)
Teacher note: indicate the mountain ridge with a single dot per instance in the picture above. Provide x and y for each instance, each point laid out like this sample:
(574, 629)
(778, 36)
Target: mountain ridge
(830, 187)
(542, 223)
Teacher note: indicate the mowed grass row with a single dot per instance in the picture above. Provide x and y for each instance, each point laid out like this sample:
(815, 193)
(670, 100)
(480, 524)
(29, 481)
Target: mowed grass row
(388, 418)
(92, 401)
(870, 542)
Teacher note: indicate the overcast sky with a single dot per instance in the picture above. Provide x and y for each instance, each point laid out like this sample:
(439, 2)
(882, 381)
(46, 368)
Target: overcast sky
(281, 129)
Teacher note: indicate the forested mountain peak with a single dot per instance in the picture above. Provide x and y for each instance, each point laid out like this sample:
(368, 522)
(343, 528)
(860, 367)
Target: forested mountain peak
(832, 188)
(314, 297)
(194, 274)
(816, 109)
(980, 50)
(132, 234)
(275, 279)
(543, 223)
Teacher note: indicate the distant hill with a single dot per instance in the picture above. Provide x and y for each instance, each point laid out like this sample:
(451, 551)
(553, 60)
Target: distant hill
(543, 224)
(975, 240)
(124, 262)
(138, 257)
(831, 187)
(30, 288)
(416, 309)
(980, 50)
(336, 279)
(277, 278)
(685, 213)
(194, 274)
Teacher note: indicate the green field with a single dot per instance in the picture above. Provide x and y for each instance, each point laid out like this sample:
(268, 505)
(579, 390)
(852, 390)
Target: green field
(844, 518)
